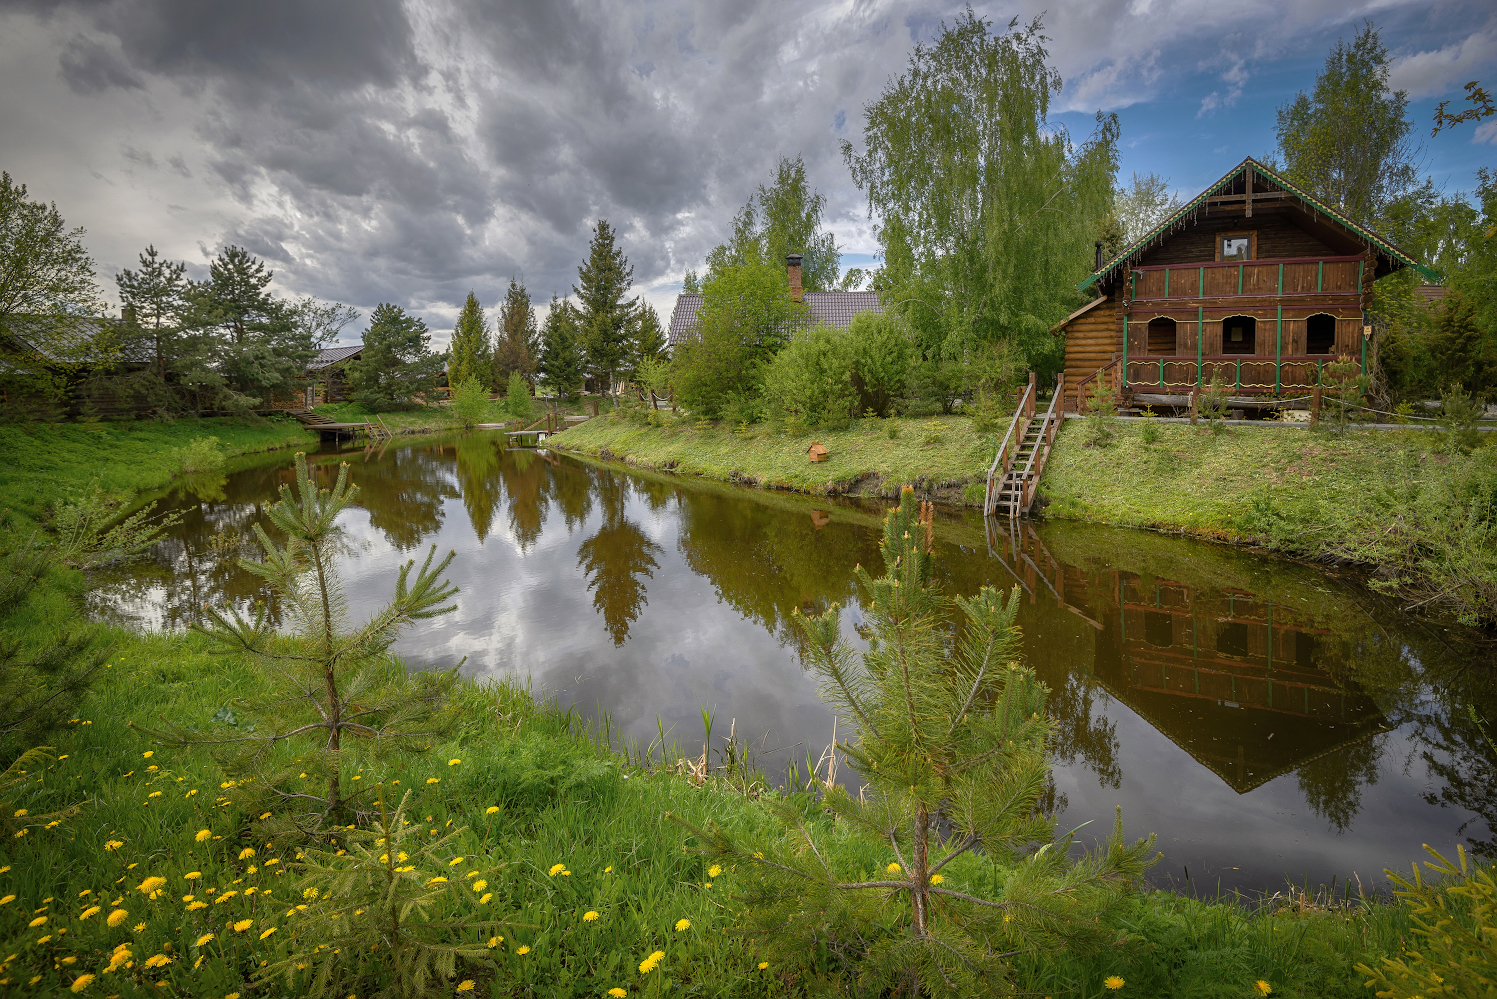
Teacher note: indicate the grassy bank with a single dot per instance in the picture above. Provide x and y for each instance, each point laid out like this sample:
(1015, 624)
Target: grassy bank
(1422, 515)
(47, 461)
(942, 456)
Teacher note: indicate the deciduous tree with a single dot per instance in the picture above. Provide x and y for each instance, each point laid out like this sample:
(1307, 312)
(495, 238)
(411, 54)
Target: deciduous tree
(781, 219)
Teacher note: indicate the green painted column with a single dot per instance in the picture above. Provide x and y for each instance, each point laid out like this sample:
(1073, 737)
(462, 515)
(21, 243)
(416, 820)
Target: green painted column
(1200, 339)
(1278, 363)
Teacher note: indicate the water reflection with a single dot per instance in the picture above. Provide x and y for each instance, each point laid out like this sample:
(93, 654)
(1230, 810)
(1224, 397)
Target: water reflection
(1262, 717)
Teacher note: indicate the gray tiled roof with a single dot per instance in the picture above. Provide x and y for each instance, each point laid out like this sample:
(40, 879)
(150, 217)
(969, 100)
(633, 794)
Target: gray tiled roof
(834, 308)
(332, 355)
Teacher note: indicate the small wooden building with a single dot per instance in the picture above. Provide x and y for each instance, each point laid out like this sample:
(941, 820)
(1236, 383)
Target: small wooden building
(1253, 282)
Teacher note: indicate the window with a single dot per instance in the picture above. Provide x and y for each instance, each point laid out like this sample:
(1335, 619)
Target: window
(1162, 335)
(1239, 335)
(1236, 246)
(1320, 334)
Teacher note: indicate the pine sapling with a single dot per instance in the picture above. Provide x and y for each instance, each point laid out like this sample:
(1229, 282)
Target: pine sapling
(952, 869)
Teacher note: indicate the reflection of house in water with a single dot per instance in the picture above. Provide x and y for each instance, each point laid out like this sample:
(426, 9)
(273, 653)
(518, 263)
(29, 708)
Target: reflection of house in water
(1252, 689)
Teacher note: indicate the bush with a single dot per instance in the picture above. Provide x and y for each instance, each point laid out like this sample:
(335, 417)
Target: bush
(517, 398)
(880, 348)
(202, 454)
(812, 378)
(469, 401)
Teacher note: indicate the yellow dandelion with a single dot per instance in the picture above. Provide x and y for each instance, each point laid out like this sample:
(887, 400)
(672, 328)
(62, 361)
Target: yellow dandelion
(453, 762)
(117, 917)
(148, 754)
(203, 835)
(81, 982)
(714, 871)
(486, 896)
(433, 780)
(589, 916)
(617, 992)
(203, 939)
(467, 985)
(246, 853)
(139, 927)
(682, 925)
(893, 869)
(92, 910)
(1262, 987)
(649, 964)
(151, 884)
(242, 925)
(936, 879)
(454, 861)
(491, 810)
(495, 942)
(39, 920)
(438, 880)
(192, 875)
(1113, 982)
(608, 870)
(197, 905)
(522, 949)
(113, 844)
(267, 933)
(556, 869)
(158, 961)
(20, 812)
(7, 900)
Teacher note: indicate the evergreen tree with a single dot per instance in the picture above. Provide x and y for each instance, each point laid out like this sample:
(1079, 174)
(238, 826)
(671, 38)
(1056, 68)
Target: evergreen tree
(951, 743)
(397, 366)
(470, 344)
(253, 338)
(154, 300)
(649, 336)
(606, 318)
(518, 340)
(1347, 142)
(779, 220)
(560, 361)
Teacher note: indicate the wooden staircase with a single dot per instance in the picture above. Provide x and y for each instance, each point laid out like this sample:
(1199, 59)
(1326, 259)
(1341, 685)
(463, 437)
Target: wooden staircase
(311, 419)
(1021, 458)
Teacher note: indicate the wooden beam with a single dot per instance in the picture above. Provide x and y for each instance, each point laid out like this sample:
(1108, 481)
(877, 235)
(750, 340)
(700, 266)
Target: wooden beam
(1247, 193)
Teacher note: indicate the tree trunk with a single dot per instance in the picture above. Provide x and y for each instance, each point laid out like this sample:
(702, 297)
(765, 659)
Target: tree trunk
(919, 873)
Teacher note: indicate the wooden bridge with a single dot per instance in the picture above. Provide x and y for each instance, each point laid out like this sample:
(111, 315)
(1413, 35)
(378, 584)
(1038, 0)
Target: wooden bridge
(331, 430)
(537, 432)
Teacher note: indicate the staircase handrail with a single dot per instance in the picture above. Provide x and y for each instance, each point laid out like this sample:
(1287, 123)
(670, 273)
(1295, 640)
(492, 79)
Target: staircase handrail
(1047, 437)
(1080, 394)
(989, 499)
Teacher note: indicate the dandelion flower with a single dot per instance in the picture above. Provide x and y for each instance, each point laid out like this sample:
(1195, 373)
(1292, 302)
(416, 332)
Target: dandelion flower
(7, 900)
(480, 884)
(197, 905)
(139, 927)
(20, 812)
(438, 880)
(522, 949)
(267, 933)
(117, 917)
(453, 762)
(433, 780)
(246, 853)
(81, 982)
(1262, 987)
(589, 916)
(495, 942)
(893, 869)
(936, 879)
(486, 896)
(113, 844)
(1112, 983)
(763, 965)
(242, 925)
(152, 883)
(682, 925)
(39, 920)
(466, 985)
(491, 810)
(148, 754)
(617, 992)
(714, 871)
(92, 910)
(203, 939)
(158, 961)
(648, 964)
(454, 861)
(556, 869)
(608, 870)
(203, 835)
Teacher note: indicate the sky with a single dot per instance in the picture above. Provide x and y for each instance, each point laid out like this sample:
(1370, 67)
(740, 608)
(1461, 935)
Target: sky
(378, 151)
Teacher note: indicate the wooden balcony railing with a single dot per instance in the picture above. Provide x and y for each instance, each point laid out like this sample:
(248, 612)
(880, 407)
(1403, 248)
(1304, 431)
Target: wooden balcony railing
(1248, 278)
(1244, 374)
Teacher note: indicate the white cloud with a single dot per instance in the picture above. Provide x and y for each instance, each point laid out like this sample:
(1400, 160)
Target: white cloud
(1441, 71)
(1486, 132)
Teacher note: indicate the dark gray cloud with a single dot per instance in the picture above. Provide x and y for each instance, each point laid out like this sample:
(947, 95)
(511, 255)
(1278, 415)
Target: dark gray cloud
(377, 150)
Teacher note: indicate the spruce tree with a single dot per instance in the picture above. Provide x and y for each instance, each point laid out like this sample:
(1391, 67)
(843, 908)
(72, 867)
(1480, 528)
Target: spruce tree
(560, 361)
(649, 337)
(397, 365)
(606, 318)
(957, 869)
(517, 340)
(470, 344)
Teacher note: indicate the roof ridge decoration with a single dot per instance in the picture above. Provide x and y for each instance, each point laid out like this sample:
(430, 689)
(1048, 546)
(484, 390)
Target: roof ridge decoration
(1190, 208)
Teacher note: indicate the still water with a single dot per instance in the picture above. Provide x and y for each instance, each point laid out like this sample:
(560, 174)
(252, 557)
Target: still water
(1267, 720)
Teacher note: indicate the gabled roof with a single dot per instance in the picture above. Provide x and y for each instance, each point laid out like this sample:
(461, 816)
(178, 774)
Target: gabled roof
(72, 340)
(332, 355)
(1191, 208)
(834, 308)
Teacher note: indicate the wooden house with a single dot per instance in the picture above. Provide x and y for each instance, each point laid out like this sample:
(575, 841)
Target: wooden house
(327, 375)
(1253, 282)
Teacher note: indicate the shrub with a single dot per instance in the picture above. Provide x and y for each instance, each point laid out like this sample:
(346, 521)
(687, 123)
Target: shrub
(812, 378)
(202, 454)
(1102, 421)
(1343, 389)
(469, 401)
(1461, 413)
(880, 349)
(517, 399)
(1212, 404)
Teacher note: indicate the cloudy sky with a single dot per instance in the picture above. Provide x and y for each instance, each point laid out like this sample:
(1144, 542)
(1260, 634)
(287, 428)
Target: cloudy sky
(374, 150)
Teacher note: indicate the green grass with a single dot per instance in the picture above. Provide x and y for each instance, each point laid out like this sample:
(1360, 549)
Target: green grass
(1424, 518)
(943, 455)
(47, 461)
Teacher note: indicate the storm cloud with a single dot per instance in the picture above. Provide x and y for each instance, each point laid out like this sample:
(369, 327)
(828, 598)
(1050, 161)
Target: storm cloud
(375, 150)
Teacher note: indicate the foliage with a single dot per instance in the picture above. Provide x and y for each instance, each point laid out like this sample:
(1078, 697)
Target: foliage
(1461, 414)
(1146, 202)
(952, 746)
(382, 914)
(779, 220)
(201, 454)
(605, 318)
(397, 366)
(1347, 141)
(1460, 349)
(517, 397)
(333, 684)
(1343, 392)
(881, 348)
(80, 539)
(1481, 107)
(1102, 414)
(746, 317)
(649, 336)
(812, 378)
(561, 362)
(1454, 912)
(470, 400)
(1211, 403)
(470, 352)
(987, 208)
(518, 342)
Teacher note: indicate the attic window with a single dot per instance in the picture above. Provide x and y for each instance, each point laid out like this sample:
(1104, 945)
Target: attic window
(1236, 246)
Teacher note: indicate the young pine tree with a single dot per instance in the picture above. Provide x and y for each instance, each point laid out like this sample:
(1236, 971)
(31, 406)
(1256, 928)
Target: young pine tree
(951, 743)
(334, 691)
(470, 352)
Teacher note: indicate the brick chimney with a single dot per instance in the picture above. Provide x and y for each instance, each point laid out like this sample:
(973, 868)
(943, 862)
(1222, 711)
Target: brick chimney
(792, 270)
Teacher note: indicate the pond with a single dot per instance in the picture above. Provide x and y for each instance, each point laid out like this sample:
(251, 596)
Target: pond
(1267, 720)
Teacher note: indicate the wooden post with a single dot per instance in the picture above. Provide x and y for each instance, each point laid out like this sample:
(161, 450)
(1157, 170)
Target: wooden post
(1315, 406)
(595, 405)
(1195, 404)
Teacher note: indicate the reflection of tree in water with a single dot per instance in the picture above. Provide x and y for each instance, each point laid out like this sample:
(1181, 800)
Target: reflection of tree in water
(1463, 757)
(1332, 784)
(478, 474)
(525, 483)
(572, 488)
(1078, 734)
(403, 493)
(616, 560)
